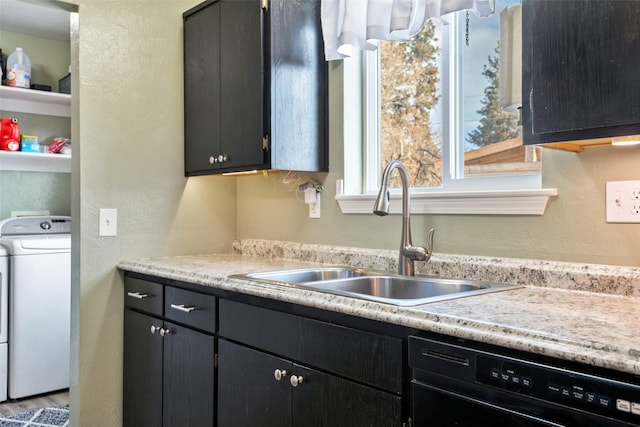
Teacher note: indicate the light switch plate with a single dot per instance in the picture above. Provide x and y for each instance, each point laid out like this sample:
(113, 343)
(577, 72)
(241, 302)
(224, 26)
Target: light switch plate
(623, 201)
(108, 222)
(314, 208)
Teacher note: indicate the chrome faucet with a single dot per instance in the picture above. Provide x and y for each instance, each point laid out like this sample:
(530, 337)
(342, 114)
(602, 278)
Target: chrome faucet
(408, 252)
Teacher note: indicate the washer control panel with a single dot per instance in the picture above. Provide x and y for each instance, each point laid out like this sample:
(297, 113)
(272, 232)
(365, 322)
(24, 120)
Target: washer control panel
(32, 225)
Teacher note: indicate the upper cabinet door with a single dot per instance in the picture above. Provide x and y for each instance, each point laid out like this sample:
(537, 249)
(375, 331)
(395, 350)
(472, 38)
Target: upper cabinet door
(580, 69)
(201, 88)
(242, 73)
(298, 92)
(255, 87)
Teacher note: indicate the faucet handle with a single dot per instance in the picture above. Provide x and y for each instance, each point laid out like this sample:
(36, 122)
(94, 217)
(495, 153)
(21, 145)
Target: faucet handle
(429, 244)
(419, 253)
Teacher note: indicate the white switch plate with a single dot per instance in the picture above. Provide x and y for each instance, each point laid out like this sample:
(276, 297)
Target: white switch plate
(623, 201)
(108, 222)
(314, 208)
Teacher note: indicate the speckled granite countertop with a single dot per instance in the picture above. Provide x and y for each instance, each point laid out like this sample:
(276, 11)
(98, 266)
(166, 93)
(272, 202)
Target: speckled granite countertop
(553, 314)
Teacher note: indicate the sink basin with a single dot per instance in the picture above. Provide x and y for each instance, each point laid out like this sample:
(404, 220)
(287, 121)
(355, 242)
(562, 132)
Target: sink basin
(401, 290)
(375, 286)
(306, 275)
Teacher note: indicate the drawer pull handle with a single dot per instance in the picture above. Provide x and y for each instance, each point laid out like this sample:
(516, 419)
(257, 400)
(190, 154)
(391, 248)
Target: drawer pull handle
(181, 307)
(296, 380)
(164, 332)
(155, 328)
(279, 374)
(138, 295)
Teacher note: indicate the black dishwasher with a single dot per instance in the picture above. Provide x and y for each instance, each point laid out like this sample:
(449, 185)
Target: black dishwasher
(468, 384)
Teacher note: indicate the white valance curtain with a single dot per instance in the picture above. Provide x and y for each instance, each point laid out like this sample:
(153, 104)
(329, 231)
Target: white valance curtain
(349, 24)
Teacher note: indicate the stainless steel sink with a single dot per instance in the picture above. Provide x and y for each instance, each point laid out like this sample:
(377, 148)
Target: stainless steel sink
(406, 291)
(306, 275)
(376, 286)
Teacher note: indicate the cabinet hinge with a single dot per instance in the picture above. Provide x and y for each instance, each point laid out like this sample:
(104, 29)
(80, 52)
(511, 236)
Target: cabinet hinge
(215, 360)
(265, 142)
(265, 4)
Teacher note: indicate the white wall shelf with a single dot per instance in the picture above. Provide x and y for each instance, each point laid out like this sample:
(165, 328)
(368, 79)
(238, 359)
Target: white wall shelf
(35, 101)
(35, 162)
(19, 100)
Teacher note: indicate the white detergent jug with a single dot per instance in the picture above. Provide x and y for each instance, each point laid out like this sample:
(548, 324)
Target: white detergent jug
(18, 69)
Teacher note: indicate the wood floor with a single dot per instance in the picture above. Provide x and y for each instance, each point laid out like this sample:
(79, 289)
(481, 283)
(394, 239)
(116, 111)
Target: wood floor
(42, 401)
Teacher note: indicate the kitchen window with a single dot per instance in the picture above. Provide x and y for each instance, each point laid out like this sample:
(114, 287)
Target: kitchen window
(432, 103)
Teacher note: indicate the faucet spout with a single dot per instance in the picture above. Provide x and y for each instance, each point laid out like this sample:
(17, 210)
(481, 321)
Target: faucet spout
(408, 252)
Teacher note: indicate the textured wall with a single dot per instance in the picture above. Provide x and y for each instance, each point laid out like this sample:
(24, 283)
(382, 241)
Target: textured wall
(128, 124)
(573, 228)
(31, 191)
(128, 121)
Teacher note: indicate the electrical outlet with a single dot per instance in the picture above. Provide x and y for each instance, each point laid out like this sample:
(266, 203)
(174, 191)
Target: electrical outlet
(623, 201)
(108, 222)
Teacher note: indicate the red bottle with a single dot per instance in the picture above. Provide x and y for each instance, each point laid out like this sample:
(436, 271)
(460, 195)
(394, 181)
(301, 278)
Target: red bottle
(9, 134)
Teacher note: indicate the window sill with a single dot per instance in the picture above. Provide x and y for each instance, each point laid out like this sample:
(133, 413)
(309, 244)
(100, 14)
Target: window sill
(501, 202)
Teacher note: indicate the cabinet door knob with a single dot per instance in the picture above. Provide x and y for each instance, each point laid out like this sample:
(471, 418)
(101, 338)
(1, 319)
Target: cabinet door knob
(164, 332)
(221, 158)
(155, 328)
(279, 374)
(296, 380)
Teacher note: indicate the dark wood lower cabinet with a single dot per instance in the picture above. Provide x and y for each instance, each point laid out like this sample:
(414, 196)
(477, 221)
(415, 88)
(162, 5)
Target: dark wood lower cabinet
(142, 370)
(168, 378)
(343, 374)
(250, 395)
(326, 400)
(188, 375)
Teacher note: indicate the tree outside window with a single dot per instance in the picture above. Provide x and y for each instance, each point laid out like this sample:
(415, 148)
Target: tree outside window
(411, 101)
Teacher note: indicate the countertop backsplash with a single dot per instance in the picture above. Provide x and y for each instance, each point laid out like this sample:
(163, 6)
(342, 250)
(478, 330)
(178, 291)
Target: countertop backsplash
(608, 279)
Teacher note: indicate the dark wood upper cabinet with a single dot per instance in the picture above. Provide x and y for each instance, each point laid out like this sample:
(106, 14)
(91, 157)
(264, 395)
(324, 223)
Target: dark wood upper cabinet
(255, 87)
(580, 69)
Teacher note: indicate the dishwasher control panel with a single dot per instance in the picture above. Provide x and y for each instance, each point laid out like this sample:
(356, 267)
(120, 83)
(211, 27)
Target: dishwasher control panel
(507, 387)
(604, 396)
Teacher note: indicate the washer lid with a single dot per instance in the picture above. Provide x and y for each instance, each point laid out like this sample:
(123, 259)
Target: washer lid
(31, 245)
(32, 225)
(46, 243)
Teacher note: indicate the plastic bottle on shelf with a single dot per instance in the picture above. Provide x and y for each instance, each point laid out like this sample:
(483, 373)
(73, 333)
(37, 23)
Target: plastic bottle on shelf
(18, 69)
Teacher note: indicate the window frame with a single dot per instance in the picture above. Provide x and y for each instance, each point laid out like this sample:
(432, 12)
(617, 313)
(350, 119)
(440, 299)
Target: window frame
(518, 194)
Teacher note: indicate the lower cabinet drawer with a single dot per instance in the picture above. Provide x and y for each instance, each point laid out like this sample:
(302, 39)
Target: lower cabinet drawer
(143, 295)
(190, 308)
(366, 357)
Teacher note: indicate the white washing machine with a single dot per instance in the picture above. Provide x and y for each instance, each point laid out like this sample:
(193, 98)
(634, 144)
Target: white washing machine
(39, 269)
(4, 315)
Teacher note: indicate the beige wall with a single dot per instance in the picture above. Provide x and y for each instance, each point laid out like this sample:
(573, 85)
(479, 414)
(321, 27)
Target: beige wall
(128, 154)
(573, 228)
(127, 129)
